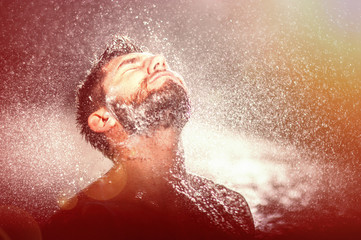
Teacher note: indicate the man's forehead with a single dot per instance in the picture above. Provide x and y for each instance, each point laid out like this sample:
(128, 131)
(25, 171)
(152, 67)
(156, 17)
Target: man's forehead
(118, 60)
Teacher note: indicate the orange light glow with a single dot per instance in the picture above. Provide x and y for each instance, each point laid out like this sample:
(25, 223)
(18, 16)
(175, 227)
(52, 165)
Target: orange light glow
(108, 186)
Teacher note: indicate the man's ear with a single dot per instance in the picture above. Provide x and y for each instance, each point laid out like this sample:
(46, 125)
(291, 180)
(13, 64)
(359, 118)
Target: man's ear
(101, 121)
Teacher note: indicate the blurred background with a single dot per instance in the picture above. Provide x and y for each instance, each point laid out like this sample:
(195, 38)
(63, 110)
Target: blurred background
(275, 87)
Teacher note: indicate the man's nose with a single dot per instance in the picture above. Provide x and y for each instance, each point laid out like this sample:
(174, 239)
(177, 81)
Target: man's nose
(157, 63)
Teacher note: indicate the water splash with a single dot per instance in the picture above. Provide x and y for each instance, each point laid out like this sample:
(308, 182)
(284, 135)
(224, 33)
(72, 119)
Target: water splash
(276, 85)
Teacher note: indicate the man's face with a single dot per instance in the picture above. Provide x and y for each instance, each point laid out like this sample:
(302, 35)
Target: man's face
(144, 94)
(137, 73)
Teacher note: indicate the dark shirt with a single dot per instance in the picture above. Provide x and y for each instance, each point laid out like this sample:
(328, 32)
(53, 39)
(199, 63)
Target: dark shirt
(192, 208)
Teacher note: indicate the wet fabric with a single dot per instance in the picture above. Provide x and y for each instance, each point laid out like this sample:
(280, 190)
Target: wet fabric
(192, 208)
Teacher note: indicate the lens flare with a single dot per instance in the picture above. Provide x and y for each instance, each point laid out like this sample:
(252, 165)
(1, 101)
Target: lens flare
(108, 186)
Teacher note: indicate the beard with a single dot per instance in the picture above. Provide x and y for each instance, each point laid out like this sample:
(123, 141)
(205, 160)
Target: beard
(168, 106)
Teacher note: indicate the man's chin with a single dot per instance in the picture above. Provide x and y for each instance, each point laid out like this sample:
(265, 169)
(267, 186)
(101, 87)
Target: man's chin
(165, 107)
(169, 106)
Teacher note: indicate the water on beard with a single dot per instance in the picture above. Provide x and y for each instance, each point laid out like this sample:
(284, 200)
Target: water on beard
(164, 107)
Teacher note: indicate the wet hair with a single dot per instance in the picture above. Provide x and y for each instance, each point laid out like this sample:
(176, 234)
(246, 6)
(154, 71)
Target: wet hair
(91, 95)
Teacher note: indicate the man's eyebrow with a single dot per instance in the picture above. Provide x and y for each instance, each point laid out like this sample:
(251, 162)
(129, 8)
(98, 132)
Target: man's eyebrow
(128, 61)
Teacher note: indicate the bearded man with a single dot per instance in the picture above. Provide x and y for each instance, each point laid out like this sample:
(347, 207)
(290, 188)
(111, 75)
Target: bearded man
(132, 108)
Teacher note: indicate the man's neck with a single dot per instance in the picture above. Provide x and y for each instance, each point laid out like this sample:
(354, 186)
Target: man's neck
(145, 164)
(153, 151)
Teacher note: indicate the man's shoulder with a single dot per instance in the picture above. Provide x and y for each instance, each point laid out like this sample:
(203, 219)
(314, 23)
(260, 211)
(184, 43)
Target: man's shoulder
(216, 190)
(227, 206)
(223, 206)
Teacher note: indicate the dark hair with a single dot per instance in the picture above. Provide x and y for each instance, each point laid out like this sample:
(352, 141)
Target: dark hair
(91, 95)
